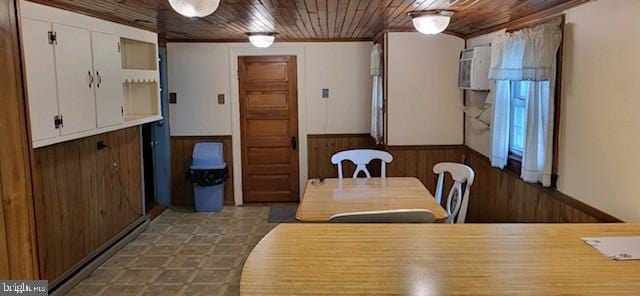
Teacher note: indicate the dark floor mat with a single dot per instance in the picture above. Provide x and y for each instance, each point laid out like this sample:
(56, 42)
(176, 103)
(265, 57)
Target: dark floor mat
(283, 214)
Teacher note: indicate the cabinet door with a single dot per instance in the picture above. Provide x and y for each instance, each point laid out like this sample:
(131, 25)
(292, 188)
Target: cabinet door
(106, 63)
(74, 71)
(41, 78)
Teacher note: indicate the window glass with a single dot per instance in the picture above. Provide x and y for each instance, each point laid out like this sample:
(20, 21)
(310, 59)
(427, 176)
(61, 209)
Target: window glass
(519, 95)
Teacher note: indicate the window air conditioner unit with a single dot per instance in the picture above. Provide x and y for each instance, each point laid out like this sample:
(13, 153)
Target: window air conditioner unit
(473, 68)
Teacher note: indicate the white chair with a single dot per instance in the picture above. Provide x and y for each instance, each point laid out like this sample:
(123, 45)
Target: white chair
(458, 199)
(362, 157)
(388, 216)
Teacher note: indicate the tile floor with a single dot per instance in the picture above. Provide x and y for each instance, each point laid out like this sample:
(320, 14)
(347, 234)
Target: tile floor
(183, 253)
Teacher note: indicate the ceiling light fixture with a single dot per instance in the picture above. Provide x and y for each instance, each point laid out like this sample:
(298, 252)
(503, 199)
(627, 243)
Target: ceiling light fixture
(431, 21)
(262, 39)
(194, 8)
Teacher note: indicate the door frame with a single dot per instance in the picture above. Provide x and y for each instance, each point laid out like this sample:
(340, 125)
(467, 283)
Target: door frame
(234, 99)
(292, 116)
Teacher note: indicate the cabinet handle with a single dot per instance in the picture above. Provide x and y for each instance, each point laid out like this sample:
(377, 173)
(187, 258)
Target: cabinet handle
(90, 77)
(99, 79)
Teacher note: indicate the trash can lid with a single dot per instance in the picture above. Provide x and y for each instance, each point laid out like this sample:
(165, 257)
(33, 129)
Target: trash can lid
(210, 152)
(207, 165)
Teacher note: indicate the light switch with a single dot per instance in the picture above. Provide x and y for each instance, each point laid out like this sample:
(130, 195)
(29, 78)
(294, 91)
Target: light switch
(325, 93)
(221, 99)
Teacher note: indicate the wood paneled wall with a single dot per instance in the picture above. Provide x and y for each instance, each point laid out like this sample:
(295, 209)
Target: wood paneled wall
(496, 195)
(181, 151)
(321, 147)
(502, 196)
(18, 258)
(84, 197)
(418, 161)
(409, 161)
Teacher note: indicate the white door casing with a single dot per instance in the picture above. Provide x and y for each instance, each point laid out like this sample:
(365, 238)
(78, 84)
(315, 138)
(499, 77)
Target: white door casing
(249, 50)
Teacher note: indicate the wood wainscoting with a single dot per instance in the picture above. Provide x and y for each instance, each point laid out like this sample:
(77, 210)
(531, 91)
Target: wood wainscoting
(181, 151)
(496, 196)
(320, 148)
(84, 197)
(418, 161)
(408, 161)
(501, 196)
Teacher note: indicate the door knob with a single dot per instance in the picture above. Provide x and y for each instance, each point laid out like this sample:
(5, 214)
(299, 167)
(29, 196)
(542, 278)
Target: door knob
(294, 143)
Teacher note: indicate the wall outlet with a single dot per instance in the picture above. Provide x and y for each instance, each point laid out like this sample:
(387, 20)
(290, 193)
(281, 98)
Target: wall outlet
(173, 98)
(325, 93)
(221, 99)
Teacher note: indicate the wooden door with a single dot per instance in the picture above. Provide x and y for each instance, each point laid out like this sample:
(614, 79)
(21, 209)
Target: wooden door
(269, 124)
(41, 78)
(75, 76)
(108, 84)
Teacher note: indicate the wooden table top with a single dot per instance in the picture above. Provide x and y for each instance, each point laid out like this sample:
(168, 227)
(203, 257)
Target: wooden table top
(438, 259)
(334, 196)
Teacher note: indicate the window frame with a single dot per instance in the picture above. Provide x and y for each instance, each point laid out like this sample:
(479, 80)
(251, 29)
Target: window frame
(515, 87)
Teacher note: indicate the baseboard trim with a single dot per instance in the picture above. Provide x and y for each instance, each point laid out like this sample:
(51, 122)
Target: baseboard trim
(426, 147)
(564, 198)
(111, 248)
(320, 136)
(213, 137)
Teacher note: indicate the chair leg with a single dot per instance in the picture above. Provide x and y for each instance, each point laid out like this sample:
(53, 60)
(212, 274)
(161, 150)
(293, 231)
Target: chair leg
(440, 188)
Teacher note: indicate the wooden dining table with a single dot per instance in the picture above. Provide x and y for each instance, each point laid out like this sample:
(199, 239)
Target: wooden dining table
(323, 199)
(438, 259)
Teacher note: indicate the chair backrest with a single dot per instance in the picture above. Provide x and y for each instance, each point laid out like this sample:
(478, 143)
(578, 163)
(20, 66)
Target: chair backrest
(362, 157)
(458, 199)
(388, 216)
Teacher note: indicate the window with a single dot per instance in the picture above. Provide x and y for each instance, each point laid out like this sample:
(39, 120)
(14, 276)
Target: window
(518, 126)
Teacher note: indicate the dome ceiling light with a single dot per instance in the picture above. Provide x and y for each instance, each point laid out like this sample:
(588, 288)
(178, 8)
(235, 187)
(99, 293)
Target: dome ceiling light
(431, 21)
(194, 8)
(262, 39)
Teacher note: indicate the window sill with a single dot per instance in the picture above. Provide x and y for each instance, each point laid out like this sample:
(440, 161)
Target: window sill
(514, 166)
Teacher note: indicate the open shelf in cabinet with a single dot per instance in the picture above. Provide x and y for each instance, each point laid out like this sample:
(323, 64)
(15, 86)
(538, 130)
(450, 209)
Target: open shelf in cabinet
(141, 100)
(138, 55)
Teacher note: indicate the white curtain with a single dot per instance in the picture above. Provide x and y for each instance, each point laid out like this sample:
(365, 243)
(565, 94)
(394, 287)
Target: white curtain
(501, 100)
(537, 156)
(377, 95)
(526, 55)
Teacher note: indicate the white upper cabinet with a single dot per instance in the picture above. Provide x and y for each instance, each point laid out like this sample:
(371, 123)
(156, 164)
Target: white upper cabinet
(108, 79)
(86, 76)
(76, 79)
(41, 72)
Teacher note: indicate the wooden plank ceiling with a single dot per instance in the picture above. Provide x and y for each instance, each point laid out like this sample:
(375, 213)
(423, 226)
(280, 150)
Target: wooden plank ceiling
(308, 19)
